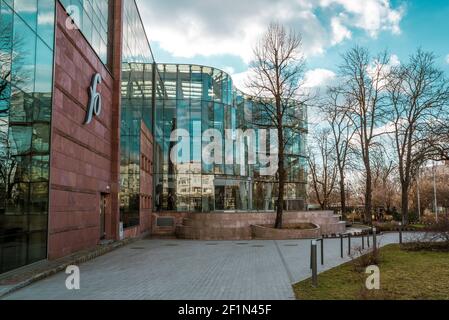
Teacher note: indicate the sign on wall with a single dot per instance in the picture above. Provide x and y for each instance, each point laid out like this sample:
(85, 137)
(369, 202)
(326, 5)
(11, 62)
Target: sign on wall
(94, 107)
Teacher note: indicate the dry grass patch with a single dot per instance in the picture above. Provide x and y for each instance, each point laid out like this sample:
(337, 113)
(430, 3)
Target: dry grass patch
(405, 275)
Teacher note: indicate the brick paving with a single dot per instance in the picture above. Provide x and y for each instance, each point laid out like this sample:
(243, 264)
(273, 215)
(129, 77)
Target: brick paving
(197, 270)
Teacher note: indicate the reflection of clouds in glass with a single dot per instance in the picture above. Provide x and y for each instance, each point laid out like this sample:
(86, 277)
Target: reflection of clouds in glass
(45, 18)
(25, 6)
(43, 78)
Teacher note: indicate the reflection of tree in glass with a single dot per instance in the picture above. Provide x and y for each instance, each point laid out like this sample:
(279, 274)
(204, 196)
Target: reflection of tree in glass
(9, 46)
(8, 164)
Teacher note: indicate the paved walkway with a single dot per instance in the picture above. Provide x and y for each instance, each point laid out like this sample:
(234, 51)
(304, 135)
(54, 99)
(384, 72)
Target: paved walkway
(179, 269)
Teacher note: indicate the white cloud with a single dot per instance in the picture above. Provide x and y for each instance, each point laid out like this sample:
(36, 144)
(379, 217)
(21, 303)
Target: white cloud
(394, 61)
(447, 58)
(318, 78)
(339, 31)
(198, 27)
(371, 16)
(229, 70)
(240, 80)
(313, 79)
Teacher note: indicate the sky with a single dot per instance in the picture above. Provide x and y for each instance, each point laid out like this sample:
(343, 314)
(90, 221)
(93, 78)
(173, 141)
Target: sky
(222, 34)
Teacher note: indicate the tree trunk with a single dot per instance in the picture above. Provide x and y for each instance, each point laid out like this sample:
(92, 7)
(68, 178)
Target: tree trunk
(404, 203)
(342, 194)
(280, 202)
(368, 199)
(281, 170)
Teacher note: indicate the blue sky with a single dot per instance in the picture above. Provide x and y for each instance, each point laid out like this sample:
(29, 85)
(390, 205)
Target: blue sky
(221, 34)
(425, 24)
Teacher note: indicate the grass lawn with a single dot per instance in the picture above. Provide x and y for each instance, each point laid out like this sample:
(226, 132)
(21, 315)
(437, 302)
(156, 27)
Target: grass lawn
(418, 226)
(404, 276)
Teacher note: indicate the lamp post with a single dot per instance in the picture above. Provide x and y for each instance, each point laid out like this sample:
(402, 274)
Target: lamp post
(374, 239)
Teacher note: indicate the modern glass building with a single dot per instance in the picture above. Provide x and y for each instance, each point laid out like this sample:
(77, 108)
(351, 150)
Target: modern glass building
(66, 185)
(196, 99)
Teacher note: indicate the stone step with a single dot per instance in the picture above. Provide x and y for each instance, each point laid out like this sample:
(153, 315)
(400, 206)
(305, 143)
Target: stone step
(164, 232)
(236, 223)
(260, 216)
(184, 232)
(335, 228)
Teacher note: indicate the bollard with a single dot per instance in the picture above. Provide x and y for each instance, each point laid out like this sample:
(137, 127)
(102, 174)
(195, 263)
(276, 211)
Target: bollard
(341, 245)
(400, 232)
(367, 240)
(374, 239)
(322, 251)
(314, 265)
(349, 244)
(311, 255)
(363, 241)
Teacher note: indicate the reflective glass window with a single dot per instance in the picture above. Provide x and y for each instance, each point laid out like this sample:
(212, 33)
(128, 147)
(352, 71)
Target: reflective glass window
(26, 71)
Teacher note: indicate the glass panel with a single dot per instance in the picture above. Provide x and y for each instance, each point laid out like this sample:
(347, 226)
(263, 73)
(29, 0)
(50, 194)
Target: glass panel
(26, 70)
(27, 10)
(46, 21)
(92, 17)
(136, 110)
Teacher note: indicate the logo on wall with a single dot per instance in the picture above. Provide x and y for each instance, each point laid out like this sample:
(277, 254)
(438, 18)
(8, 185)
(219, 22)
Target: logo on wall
(94, 107)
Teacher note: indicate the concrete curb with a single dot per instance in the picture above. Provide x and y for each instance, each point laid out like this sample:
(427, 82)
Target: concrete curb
(65, 262)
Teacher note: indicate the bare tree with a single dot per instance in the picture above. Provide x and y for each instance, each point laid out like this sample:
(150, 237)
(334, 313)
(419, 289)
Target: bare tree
(323, 170)
(364, 83)
(343, 131)
(419, 96)
(384, 181)
(438, 138)
(277, 70)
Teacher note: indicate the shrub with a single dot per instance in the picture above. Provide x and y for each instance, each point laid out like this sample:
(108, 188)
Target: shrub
(361, 260)
(440, 228)
(426, 246)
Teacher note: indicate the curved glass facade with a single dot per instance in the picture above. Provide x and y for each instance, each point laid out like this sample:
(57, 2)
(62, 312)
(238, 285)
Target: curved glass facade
(199, 98)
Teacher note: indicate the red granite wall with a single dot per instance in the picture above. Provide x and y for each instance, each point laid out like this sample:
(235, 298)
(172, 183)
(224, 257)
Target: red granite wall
(83, 157)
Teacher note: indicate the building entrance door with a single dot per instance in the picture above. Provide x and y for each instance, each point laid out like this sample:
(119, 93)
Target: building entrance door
(103, 208)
